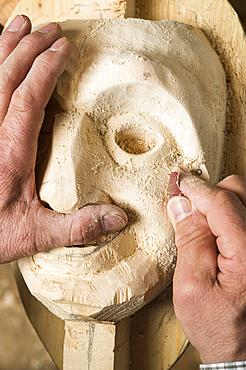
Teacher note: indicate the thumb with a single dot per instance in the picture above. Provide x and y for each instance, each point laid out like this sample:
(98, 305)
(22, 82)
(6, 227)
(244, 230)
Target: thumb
(196, 245)
(79, 228)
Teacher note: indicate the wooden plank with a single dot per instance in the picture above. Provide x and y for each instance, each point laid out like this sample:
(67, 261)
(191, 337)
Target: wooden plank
(96, 345)
(49, 328)
(151, 339)
(157, 340)
(6, 7)
(76, 345)
(148, 326)
(44, 11)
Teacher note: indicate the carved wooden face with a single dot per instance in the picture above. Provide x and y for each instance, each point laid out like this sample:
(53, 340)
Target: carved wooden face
(139, 98)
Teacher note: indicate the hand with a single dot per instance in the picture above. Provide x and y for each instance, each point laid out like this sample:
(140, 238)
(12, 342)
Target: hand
(210, 279)
(29, 67)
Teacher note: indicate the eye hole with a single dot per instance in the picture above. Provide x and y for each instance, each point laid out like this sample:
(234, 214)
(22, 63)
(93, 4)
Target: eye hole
(135, 140)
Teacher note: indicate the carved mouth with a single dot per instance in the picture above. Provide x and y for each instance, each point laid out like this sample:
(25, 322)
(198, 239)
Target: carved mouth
(90, 248)
(104, 240)
(99, 197)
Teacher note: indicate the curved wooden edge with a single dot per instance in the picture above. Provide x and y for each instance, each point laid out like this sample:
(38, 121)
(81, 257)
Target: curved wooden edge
(151, 339)
(221, 24)
(223, 28)
(43, 321)
(42, 11)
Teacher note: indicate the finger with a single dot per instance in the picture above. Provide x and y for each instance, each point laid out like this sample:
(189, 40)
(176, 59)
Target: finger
(236, 184)
(226, 215)
(10, 38)
(26, 111)
(196, 245)
(16, 66)
(80, 228)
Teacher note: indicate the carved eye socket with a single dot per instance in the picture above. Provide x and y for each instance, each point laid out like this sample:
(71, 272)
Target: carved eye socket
(135, 140)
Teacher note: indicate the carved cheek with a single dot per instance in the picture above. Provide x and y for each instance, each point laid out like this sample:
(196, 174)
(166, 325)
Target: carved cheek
(136, 153)
(135, 110)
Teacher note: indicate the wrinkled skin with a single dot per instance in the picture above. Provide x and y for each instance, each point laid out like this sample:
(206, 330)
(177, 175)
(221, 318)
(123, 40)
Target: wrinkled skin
(30, 64)
(210, 279)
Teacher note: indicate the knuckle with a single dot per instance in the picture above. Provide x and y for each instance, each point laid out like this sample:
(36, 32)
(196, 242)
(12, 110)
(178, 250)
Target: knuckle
(187, 236)
(185, 293)
(7, 80)
(32, 240)
(11, 186)
(224, 197)
(30, 42)
(6, 44)
(23, 99)
(236, 179)
(233, 182)
(84, 229)
(45, 67)
(77, 232)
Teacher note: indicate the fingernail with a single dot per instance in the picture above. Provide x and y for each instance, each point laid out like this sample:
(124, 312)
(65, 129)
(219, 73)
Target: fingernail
(59, 44)
(178, 209)
(16, 24)
(48, 28)
(113, 222)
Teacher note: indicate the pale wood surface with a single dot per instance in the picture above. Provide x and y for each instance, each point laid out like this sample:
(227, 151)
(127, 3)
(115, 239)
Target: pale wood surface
(76, 345)
(42, 11)
(239, 6)
(6, 7)
(151, 339)
(123, 276)
(68, 355)
(221, 25)
(94, 345)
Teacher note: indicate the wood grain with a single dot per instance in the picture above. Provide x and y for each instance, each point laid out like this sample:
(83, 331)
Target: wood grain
(42, 11)
(221, 24)
(151, 339)
(6, 7)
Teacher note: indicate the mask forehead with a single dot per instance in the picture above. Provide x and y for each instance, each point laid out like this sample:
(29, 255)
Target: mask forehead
(167, 55)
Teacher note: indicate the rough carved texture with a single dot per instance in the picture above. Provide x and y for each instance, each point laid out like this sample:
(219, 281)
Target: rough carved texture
(130, 106)
(152, 346)
(43, 10)
(221, 25)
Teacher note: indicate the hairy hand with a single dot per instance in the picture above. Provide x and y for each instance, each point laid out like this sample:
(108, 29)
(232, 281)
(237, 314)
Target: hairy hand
(30, 64)
(210, 277)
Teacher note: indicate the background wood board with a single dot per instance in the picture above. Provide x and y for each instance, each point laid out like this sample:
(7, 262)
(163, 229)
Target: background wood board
(215, 30)
(7, 6)
(83, 9)
(150, 339)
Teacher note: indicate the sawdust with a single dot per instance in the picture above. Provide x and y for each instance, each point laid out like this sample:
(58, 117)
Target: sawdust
(135, 108)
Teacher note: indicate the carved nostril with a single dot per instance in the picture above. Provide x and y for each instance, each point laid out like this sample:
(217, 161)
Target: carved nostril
(135, 140)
